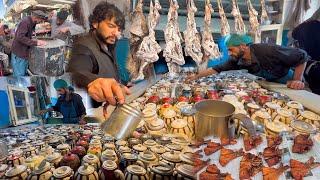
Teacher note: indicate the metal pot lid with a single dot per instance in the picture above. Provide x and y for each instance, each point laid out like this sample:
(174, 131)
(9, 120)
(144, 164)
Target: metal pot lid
(172, 156)
(137, 170)
(175, 147)
(62, 172)
(187, 157)
(169, 113)
(295, 105)
(188, 110)
(129, 156)
(159, 149)
(162, 170)
(186, 170)
(121, 143)
(44, 166)
(3, 167)
(109, 146)
(253, 106)
(263, 114)
(109, 165)
(283, 112)
(53, 156)
(63, 146)
(147, 156)
(150, 143)
(139, 147)
(179, 124)
(272, 105)
(86, 169)
(16, 170)
(90, 158)
(302, 126)
(310, 115)
(277, 127)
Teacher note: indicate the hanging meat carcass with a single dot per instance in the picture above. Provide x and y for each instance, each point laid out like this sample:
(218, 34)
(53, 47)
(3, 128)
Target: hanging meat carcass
(225, 28)
(173, 50)
(138, 30)
(211, 49)
(191, 35)
(264, 15)
(253, 20)
(240, 27)
(149, 48)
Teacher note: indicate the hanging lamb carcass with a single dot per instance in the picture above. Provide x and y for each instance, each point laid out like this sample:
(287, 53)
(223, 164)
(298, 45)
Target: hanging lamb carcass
(264, 19)
(240, 27)
(173, 49)
(211, 49)
(149, 48)
(253, 20)
(191, 35)
(225, 28)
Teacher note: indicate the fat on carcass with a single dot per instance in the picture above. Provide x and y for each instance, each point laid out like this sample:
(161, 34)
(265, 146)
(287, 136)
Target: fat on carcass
(225, 28)
(264, 15)
(253, 20)
(240, 27)
(211, 49)
(149, 48)
(191, 35)
(173, 49)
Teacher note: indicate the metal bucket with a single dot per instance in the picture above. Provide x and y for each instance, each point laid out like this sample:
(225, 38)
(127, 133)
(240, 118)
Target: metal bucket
(122, 122)
(214, 118)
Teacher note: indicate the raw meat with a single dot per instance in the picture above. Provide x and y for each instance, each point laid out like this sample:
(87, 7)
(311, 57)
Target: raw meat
(225, 28)
(227, 155)
(253, 20)
(264, 15)
(239, 25)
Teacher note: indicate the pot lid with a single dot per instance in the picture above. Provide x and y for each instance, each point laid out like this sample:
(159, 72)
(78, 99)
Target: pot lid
(53, 156)
(263, 114)
(283, 112)
(109, 146)
(63, 146)
(253, 106)
(150, 143)
(169, 113)
(87, 132)
(302, 126)
(310, 115)
(295, 105)
(90, 158)
(44, 166)
(97, 137)
(3, 167)
(180, 141)
(62, 172)
(109, 165)
(159, 149)
(187, 157)
(188, 110)
(179, 124)
(108, 138)
(129, 156)
(137, 170)
(186, 170)
(175, 147)
(121, 143)
(150, 105)
(86, 169)
(272, 105)
(124, 149)
(277, 127)
(148, 112)
(15, 170)
(147, 156)
(139, 147)
(156, 124)
(162, 170)
(172, 156)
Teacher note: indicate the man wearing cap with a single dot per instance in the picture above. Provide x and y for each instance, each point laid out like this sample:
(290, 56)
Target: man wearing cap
(23, 42)
(61, 27)
(272, 62)
(69, 104)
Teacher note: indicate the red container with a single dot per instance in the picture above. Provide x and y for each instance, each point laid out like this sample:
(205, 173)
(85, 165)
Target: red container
(153, 99)
(183, 99)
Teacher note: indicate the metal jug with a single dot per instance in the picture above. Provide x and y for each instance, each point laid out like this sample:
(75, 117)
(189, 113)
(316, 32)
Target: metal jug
(122, 122)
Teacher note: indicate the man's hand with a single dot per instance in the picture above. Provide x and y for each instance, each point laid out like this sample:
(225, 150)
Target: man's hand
(106, 89)
(63, 30)
(295, 84)
(41, 43)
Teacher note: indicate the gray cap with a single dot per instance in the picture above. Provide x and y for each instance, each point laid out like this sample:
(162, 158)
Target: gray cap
(40, 14)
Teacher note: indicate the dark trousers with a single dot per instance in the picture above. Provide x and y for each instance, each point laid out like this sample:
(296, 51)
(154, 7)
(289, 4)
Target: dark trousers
(313, 78)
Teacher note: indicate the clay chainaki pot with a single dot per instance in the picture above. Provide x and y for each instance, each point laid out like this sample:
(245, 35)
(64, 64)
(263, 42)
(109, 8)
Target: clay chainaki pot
(54, 159)
(310, 117)
(139, 148)
(63, 149)
(160, 172)
(15, 158)
(158, 149)
(33, 161)
(127, 159)
(283, 115)
(149, 143)
(294, 107)
(135, 172)
(121, 143)
(3, 169)
(80, 151)
(109, 146)
(41, 172)
(147, 158)
(63, 173)
(70, 160)
(172, 158)
(185, 171)
(92, 160)
(17, 172)
(153, 99)
(109, 154)
(83, 143)
(86, 172)
(133, 141)
(109, 170)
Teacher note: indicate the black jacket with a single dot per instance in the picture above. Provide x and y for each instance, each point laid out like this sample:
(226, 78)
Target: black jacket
(76, 99)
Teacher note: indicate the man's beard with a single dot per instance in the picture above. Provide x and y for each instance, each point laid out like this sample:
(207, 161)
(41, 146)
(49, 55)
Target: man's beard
(103, 38)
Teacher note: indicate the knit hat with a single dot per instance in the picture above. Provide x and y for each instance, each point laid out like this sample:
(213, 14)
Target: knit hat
(60, 83)
(236, 40)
